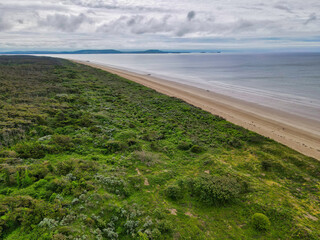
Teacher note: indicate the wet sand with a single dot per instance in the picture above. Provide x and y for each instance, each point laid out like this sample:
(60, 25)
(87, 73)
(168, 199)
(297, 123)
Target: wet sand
(294, 131)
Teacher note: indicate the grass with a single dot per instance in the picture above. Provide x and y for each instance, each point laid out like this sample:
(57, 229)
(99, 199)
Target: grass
(85, 154)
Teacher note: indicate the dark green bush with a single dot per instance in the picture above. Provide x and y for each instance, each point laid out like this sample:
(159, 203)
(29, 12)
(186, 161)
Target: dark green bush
(266, 165)
(57, 185)
(64, 167)
(174, 192)
(260, 222)
(196, 149)
(234, 142)
(125, 135)
(85, 120)
(25, 211)
(184, 146)
(132, 141)
(8, 154)
(30, 150)
(39, 171)
(271, 165)
(165, 226)
(63, 141)
(216, 190)
(26, 180)
(113, 146)
(95, 129)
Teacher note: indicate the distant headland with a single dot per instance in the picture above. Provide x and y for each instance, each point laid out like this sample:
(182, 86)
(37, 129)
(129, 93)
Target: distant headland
(103, 51)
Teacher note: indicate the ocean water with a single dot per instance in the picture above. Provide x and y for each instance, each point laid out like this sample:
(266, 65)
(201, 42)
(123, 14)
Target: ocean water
(286, 81)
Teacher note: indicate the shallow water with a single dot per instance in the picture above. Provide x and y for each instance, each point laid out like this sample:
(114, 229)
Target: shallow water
(289, 82)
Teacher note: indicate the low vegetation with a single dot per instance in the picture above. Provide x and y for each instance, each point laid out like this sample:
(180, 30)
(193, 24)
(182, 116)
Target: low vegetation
(85, 154)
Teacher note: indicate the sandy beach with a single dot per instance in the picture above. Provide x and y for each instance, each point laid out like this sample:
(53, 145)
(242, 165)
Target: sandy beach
(296, 132)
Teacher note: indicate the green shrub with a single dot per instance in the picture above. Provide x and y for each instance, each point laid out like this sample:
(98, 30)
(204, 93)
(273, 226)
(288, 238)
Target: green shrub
(234, 142)
(165, 226)
(30, 150)
(85, 120)
(39, 171)
(196, 149)
(174, 192)
(271, 165)
(95, 129)
(113, 146)
(152, 136)
(63, 141)
(158, 213)
(266, 165)
(184, 146)
(125, 135)
(156, 234)
(260, 222)
(57, 185)
(40, 183)
(147, 158)
(216, 190)
(26, 181)
(132, 141)
(114, 184)
(64, 167)
(8, 154)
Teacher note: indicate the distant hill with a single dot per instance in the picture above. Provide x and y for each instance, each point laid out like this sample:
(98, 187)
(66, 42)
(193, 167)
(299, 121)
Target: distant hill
(102, 51)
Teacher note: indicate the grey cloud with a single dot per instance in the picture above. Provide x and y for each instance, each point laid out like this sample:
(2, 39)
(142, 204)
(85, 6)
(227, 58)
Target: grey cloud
(62, 22)
(178, 27)
(14, 6)
(153, 25)
(115, 5)
(4, 24)
(140, 22)
(283, 7)
(191, 15)
(137, 24)
(247, 26)
(312, 17)
(244, 25)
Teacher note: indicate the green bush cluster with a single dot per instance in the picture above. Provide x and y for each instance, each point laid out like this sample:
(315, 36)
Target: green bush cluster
(184, 146)
(174, 192)
(260, 222)
(113, 146)
(215, 189)
(113, 184)
(63, 141)
(26, 212)
(196, 149)
(85, 154)
(148, 158)
(30, 150)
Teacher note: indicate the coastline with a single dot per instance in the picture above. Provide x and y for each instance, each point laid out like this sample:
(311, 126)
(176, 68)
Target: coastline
(298, 133)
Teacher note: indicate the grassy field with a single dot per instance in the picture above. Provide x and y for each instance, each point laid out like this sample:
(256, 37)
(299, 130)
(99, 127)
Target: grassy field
(85, 154)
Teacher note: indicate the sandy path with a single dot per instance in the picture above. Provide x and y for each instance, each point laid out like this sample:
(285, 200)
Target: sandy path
(294, 131)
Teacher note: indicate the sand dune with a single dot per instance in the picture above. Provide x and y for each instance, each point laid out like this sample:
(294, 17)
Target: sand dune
(299, 133)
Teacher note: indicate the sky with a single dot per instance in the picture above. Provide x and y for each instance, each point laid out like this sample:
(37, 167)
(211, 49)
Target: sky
(159, 24)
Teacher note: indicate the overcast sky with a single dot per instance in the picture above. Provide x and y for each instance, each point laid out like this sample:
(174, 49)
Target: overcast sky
(159, 24)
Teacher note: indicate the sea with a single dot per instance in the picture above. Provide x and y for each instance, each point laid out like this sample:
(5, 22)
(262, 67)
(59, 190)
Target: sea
(289, 82)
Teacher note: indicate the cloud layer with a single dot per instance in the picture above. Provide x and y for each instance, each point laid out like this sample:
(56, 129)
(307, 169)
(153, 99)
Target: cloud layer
(129, 24)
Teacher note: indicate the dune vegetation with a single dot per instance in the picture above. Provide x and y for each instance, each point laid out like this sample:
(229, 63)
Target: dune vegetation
(85, 154)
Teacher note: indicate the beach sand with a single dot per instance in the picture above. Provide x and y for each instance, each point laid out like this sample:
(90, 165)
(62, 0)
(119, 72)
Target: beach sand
(296, 132)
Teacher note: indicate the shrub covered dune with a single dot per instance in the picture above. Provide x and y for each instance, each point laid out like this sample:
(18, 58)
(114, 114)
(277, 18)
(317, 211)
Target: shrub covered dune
(86, 154)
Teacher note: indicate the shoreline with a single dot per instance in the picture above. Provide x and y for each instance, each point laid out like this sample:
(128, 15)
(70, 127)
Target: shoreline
(298, 133)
